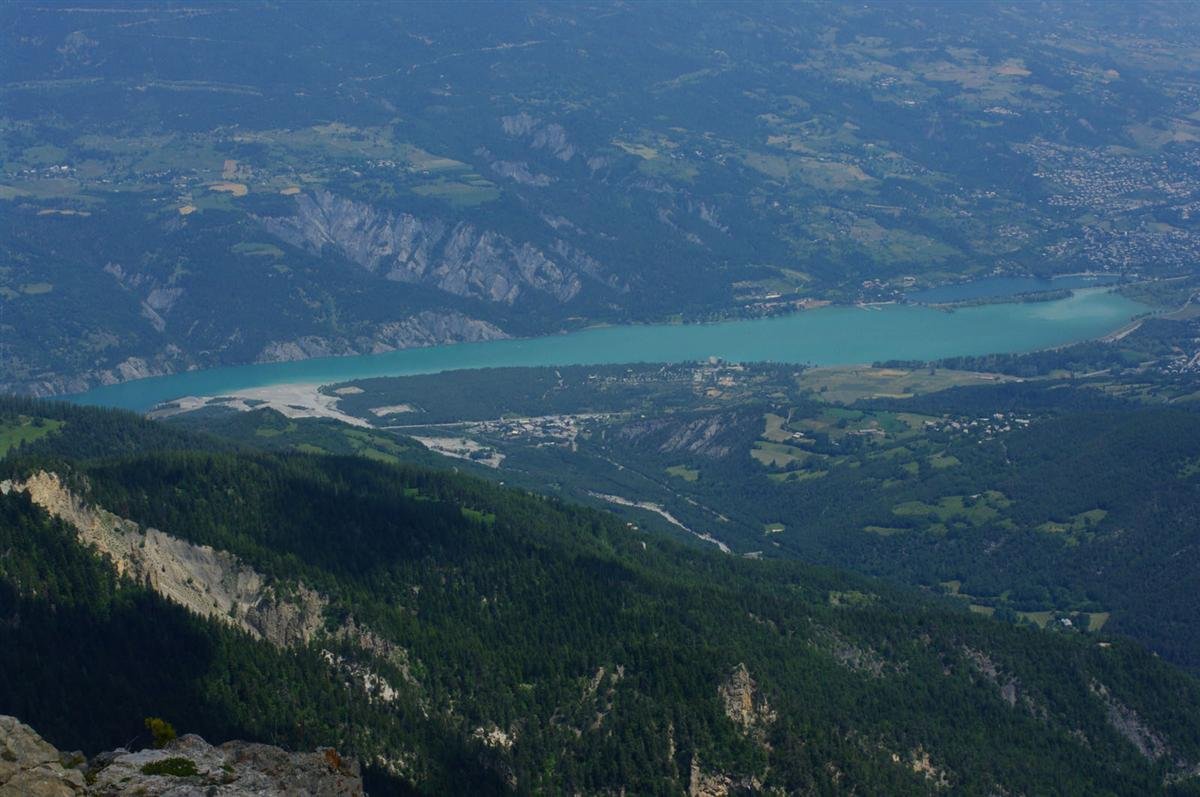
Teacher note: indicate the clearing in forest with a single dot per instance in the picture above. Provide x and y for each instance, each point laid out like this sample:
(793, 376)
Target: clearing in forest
(236, 189)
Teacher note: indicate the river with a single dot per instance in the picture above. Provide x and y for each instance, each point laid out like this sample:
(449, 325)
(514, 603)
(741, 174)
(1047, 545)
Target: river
(826, 336)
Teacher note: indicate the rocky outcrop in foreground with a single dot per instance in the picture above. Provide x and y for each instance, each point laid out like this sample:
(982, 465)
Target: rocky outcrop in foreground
(32, 767)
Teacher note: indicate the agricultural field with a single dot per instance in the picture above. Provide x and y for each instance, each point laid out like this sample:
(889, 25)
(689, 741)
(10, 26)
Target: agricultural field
(957, 511)
(847, 385)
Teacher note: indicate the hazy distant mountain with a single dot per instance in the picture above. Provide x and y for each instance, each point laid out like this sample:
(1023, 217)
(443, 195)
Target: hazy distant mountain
(188, 186)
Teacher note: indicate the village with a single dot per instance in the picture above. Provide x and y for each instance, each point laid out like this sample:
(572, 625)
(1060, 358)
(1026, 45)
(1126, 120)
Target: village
(984, 428)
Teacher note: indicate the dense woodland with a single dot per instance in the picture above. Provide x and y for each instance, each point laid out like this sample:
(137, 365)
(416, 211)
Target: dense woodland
(601, 650)
(1154, 339)
(1134, 467)
(1084, 507)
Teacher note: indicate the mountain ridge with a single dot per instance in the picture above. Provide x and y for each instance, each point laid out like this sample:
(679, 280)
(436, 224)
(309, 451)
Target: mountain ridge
(758, 672)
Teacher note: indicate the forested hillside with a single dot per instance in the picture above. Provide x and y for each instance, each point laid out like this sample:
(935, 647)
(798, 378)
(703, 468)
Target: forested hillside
(461, 635)
(1065, 502)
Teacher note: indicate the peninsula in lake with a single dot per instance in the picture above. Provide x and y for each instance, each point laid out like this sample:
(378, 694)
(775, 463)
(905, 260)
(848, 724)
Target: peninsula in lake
(538, 398)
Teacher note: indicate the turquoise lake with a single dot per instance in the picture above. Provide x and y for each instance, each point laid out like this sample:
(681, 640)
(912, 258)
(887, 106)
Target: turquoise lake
(827, 336)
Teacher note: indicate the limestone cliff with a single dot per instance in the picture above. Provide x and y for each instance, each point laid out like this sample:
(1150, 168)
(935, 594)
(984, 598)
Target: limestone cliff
(208, 582)
(423, 329)
(456, 257)
(34, 380)
(215, 584)
(744, 703)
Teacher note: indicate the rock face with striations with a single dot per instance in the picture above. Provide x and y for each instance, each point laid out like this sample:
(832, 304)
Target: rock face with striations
(208, 582)
(458, 258)
(427, 328)
(32, 767)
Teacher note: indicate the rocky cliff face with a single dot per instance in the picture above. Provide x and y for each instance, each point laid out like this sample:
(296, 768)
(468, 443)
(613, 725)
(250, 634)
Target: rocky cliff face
(32, 767)
(744, 703)
(549, 136)
(43, 383)
(458, 258)
(208, 582)
(705, 436)
(746, 707)
(427, 328)
(213, 583)
(424, 329)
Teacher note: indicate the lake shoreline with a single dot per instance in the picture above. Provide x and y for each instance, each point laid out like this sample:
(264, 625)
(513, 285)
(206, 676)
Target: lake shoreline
(831, 335)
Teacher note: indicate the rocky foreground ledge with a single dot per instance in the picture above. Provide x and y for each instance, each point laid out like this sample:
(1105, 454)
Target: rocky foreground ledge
(32, 767)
